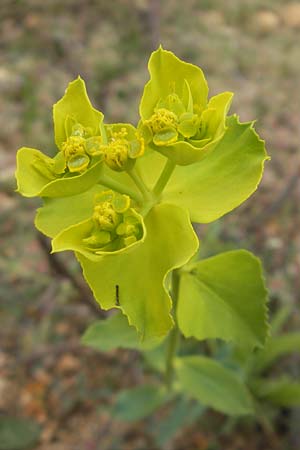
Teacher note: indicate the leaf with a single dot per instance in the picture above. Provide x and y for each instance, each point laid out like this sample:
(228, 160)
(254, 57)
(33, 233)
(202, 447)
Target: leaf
(224, 179)
(168, 75)
(220, 182)
(112, 333)
(224, 297)
(18, 434)
(58, 214)
(138, 403)
(141, 273)
(155, 358)
(282, 392)
(279, 319)
(76, 105)
(183, 413)
(276, 347)
(72, 238)
(213, 385)
(32, 182)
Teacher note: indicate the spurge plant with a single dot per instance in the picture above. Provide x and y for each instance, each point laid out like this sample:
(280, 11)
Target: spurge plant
(123, 199)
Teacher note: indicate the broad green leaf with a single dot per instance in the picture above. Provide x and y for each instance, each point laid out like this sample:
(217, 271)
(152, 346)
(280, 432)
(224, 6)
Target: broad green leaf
(58, 214)
(75, 105)
(282, 392)
(279, 319)
(17, 433)
(112, 333)
(277, 347)
(213, 385)
(35, 181)
(182, 413)
(168, 75)
(140, 274)
(155, 358)
(220, 182)
(224, 297)
(138, 403)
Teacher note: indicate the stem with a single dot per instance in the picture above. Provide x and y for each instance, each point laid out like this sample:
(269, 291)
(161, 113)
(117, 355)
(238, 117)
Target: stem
(174, 334)
(139, 183)
(164, 177)
(116, 186)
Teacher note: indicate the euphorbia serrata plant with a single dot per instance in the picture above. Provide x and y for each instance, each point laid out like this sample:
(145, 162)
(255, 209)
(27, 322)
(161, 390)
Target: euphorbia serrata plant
(123, 198)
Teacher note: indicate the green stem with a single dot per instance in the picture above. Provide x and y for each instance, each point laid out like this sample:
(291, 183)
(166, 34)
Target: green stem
(139, 183)
(164, 177)
(174, 334)
(116, 186)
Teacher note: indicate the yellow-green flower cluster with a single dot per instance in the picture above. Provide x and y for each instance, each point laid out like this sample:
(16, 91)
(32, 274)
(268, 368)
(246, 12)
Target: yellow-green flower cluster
(122, 150)
(116, 223)
(78, 150)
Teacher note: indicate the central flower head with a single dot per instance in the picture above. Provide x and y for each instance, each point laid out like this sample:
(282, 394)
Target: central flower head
(106, 216)
(115, 223)
(161, 119)
(78, 150)
(123, 147)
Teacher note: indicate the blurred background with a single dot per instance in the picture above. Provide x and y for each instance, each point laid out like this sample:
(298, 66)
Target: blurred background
(54, 392)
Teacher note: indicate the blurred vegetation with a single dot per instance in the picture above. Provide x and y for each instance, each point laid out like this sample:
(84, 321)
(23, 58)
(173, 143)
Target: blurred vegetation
(250, 47)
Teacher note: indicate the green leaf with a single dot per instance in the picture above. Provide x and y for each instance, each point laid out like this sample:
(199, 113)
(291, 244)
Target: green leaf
(213, 385)
(112, 333)
(276, 347)
(282, 392)
(168, 75)
(224, 179)
(58, 214)
(75, 106)
(183, 413)
(224, 297)
(141, 273)
(138, 403)
(220, 182)
(74, 237)
(18, 434)
(37, 180)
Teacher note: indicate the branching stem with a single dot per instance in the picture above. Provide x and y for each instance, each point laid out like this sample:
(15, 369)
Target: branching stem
(119, 187)
(139, 183)
(164, 177)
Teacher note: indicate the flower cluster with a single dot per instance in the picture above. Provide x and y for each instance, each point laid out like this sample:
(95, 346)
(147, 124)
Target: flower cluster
(123, 197)
(115, 223)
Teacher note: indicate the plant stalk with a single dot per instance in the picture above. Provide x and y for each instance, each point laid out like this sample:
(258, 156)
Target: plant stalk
(164, 178)
(139, 183)
(119, 187)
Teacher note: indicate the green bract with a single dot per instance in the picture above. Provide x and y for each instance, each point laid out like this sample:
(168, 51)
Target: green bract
(176, 118)
(123, 198)
(77, 164)
(114, 227)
